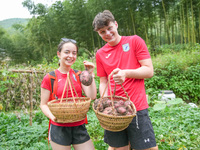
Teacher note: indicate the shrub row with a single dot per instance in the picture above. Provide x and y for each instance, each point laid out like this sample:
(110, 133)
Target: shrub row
(179, 72)
(175, 69)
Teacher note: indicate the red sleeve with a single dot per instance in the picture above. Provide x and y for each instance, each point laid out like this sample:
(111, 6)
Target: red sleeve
(45, 83)
(100, 69)
(141, 48)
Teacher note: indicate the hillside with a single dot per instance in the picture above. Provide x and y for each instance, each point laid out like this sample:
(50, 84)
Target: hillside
(6, 24)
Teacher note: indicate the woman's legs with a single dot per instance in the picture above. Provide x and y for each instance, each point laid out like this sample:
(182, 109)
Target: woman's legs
(56, 146)
(84, 146)
(88, 145)
(111, 148)
(119, 148)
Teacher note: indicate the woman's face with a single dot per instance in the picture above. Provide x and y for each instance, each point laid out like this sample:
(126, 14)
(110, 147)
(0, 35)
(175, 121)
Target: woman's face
(68, 54)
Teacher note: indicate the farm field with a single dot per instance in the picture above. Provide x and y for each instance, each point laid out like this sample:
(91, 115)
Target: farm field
(176, 128)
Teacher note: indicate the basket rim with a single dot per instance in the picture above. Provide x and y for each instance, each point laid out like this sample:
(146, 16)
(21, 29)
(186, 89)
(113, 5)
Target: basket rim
(80, 98)
(117, 96)
(112, 116)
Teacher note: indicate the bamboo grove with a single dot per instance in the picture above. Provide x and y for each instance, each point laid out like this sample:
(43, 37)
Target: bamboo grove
(158, 22)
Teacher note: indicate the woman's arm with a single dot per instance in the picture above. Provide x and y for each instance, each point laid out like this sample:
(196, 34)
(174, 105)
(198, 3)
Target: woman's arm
(91, 90)
(45, 94)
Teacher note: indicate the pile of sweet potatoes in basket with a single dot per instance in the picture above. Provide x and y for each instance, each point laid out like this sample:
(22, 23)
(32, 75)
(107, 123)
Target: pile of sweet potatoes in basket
(120, 107)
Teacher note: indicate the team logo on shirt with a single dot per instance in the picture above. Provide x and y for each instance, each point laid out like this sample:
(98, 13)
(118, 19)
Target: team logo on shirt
(126, 47)
(74, 77)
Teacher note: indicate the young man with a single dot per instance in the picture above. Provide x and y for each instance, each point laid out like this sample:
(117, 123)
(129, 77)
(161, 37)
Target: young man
(127, 57)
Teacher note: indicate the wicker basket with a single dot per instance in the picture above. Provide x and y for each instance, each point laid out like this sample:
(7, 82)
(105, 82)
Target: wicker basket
(68, 110)
(112, 122)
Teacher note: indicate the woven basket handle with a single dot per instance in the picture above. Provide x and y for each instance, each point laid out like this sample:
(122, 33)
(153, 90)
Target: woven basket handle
(111, 95)
(108, 83)
(111, 91)
(101, 99)
(70, 84)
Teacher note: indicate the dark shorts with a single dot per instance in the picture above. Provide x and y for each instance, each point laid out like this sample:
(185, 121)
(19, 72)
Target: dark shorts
(139, 133)
(68, 135)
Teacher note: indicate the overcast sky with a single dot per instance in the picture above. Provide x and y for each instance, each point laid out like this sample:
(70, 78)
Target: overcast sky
(14, 8)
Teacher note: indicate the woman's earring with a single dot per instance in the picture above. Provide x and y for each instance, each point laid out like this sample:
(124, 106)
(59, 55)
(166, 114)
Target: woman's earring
(59, 62)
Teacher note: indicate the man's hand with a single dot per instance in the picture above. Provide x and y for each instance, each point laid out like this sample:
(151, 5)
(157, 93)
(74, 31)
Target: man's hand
(119, 75)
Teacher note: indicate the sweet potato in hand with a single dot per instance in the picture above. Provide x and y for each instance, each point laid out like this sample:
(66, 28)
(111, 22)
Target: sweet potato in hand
(86, 78)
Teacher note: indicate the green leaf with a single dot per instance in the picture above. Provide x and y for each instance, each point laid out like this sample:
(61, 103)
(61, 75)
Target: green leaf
(175, 101)
(157, 107)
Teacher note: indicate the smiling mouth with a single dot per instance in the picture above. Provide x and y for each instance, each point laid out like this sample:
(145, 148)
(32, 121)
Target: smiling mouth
(69, 60)
(110, 37)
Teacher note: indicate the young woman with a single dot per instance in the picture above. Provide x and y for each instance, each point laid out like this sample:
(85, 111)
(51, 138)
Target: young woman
(63, 135)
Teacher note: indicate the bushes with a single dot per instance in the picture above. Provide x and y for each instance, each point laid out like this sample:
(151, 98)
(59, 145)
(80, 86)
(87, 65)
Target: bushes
(179, 72)
(176, 69)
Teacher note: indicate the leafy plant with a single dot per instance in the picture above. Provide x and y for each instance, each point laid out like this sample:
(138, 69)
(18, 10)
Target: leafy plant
(15, 132)
(179, 72)
(160, 105)
(176, 127)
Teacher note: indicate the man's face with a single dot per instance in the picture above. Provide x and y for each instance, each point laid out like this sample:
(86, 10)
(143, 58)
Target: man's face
(109, 33)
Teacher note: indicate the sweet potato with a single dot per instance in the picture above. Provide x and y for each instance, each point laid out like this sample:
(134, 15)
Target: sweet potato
(107, 103)
(101, 107)
(127, 103)
(117, 104)
(128, 113)
(121, 110)
(86, 78)
(96, 103)
(129, 109)
(107, 110)
(121, 102)
(121, 107)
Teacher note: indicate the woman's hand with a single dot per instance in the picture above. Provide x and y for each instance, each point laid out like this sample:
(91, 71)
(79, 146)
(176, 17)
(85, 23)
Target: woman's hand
(45, 94)
(89, 66)
(90, 90)
(53, 118)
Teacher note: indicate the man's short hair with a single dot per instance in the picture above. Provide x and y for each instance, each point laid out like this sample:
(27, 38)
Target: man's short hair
(102, 19)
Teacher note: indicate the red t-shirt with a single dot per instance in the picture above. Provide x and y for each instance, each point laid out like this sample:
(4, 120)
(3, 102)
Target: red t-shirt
(61, 82)
(125, 55)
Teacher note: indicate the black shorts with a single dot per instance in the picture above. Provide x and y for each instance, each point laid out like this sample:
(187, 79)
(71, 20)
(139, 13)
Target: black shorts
(68, 135)
(139, 133)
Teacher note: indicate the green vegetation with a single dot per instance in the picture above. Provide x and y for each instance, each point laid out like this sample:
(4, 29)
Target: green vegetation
(171, 30)
(176, 127)
(174, 69)
(176, 123)
(177, 70)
